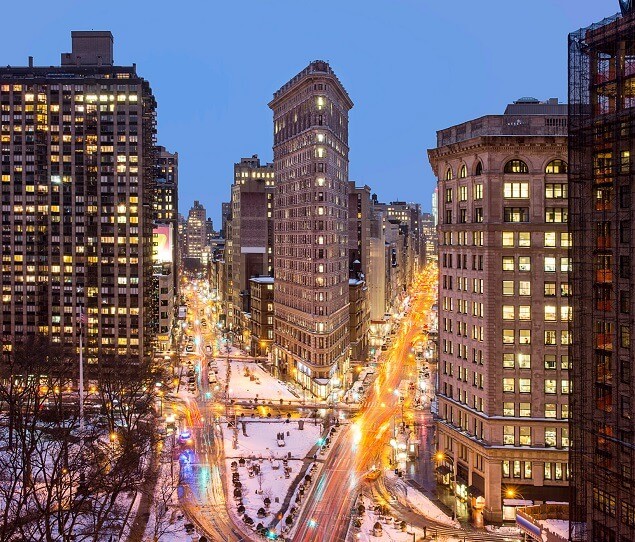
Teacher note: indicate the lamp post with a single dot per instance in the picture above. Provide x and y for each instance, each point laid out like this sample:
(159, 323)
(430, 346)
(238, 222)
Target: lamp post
(441, 456)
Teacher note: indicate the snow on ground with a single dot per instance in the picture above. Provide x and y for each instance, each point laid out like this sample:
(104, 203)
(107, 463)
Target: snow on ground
(261, 453)
(389, 529)
(420, 502)
(559, 527)
(248, 380)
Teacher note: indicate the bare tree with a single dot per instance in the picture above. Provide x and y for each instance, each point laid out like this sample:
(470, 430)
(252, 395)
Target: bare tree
(57, 483)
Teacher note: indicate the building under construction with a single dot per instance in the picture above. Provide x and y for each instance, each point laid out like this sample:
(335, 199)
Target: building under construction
(602, 208)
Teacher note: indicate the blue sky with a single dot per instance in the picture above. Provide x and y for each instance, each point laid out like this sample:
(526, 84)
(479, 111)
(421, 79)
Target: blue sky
(411, 66)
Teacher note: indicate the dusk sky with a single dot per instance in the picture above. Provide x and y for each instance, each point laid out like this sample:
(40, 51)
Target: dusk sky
(411, 66)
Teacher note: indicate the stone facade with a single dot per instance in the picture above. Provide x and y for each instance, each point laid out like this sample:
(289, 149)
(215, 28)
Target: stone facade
(504, 307)
(310, 115)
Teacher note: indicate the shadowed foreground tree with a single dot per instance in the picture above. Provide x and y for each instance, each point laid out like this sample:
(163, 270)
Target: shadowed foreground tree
(57, 482)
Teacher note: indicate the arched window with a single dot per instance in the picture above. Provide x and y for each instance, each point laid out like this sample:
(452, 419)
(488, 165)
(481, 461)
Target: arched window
(479, 169)
(557, 167)
(516, 166)
(463, 172)
(448, 174)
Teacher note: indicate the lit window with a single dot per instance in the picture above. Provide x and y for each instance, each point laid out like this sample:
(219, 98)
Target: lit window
(565, 313)
(564, 386)
(550, 410)
(524, 385)
(508, 287)
(508, 360)
(550, 264)
(550, 313)
(508, 409)
(516, 166)
(525, 436)
(525, 410)
(524, 263)
(463, 172)
(550, 437)
(524, 288)
(508, 263)
(524, 312)
(550, 361)
(508, 238)
(550, 239)
(508, 336)
(524, 361)
(550, 337)
(516, 190)
(557, 167)
(508, 312)
(478, 191)
(524, 239)
(524, 336)
(565, 240)
(448, 175)
(556, 214)
(551, 386)
(565, 265)
(508, 434)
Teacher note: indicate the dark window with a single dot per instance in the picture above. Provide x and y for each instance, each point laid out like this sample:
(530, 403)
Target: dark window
(479, 169)
(625, 196)
(625, 267)
(478, 214)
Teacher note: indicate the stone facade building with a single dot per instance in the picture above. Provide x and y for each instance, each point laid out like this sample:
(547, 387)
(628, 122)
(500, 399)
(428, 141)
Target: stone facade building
(261, 315)
(504, 309)
(249, 241)
(310, 115)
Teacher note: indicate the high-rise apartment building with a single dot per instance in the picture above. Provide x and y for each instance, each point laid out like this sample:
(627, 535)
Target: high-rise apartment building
(165, 253)
(310, 115)
(601, 180)
(504, 308)
(195, 231)
(77, 165)
(249, 241)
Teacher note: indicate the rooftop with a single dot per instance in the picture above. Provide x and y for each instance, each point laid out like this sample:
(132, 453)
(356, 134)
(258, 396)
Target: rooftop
(525, 117)
(262, 280)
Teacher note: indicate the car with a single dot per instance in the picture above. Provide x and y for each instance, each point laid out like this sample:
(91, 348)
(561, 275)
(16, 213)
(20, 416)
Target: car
(384, 347)
(189, 348)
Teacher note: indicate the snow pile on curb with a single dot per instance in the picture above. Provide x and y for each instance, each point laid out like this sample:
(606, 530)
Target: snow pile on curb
(422, 504)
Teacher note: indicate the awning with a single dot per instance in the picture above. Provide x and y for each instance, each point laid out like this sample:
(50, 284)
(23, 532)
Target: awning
(443, 470)
(517, 502)
(475, 491)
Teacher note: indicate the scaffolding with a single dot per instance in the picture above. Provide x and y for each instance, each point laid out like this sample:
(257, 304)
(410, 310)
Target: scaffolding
(601, 213)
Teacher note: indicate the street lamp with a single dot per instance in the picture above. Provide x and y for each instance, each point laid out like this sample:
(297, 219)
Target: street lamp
(440, 457)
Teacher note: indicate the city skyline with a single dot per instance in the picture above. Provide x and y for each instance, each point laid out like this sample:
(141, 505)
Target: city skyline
(236, 121)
